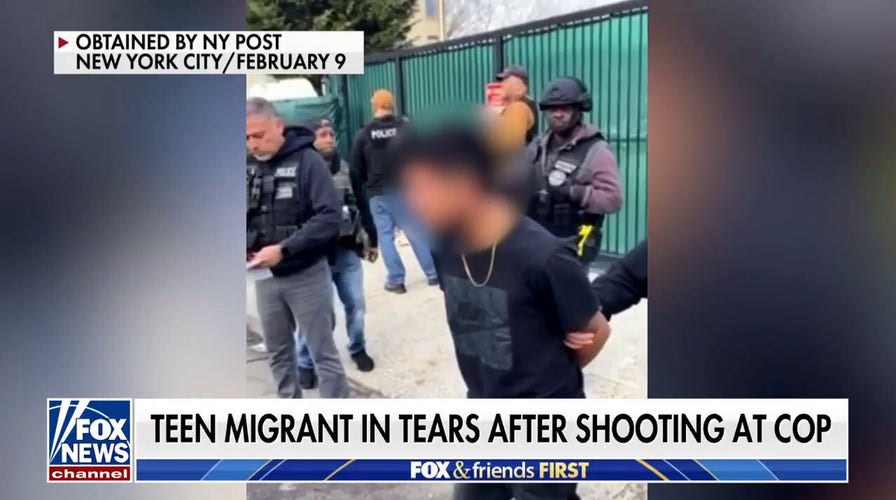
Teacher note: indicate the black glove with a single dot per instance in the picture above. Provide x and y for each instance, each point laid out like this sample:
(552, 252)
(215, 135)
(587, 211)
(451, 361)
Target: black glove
(569, 193)
(369, 251)
(577, 193)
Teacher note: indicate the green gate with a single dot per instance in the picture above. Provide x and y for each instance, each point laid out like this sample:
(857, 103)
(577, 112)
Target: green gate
(605, 47)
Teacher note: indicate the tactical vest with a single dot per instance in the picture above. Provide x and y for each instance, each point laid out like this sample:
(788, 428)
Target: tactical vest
(560, 215)
(273, 204)
(351, 216)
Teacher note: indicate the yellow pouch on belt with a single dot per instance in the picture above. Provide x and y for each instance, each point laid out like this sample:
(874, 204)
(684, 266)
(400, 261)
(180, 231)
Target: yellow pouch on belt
(584, 233)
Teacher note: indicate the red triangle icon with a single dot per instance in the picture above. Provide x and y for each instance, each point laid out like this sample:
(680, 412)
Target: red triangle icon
(62, 43)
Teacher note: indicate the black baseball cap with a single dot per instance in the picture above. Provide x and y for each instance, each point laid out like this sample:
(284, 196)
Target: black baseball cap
(514, 70)
(316, 124)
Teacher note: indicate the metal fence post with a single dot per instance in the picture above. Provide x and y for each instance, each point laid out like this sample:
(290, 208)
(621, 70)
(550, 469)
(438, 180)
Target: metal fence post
(345, 116)
(399, 86)
(499, 54)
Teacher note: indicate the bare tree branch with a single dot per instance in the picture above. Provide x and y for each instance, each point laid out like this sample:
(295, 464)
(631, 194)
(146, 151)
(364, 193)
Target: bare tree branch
(468, 17)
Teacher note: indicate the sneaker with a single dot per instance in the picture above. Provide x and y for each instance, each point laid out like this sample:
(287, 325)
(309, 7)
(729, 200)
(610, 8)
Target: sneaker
(433, 281)
(395, 288)
(307, 378)
(364, 362)
(259, 348)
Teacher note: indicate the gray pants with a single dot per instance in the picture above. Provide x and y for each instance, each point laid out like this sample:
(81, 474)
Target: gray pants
(305, 300)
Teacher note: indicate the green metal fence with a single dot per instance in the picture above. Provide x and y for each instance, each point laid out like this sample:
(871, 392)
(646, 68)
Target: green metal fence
(606, 48)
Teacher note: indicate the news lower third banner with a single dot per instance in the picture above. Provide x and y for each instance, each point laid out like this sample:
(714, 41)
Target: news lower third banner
(382, 440)
(208, 52)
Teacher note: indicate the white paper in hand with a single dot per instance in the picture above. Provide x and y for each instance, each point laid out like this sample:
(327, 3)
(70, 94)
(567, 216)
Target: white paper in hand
(255, 273)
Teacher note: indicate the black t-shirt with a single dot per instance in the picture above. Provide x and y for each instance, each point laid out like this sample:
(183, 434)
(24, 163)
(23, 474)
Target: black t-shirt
(508, 335)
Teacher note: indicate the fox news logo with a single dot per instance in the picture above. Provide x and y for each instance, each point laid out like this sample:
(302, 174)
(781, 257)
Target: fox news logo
(429, 470)
(88, 440)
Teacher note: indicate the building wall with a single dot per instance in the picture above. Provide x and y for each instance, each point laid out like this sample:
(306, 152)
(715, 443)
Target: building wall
(273, 89)
(427, 26)
(253, 80)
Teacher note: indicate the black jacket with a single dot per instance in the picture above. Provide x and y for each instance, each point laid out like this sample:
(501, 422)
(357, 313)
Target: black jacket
(356, 197)
(625, 283)
(320, 211)
(371, 157)
(533, 130)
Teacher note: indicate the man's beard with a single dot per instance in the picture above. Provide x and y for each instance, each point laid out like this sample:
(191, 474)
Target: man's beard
(567, 129)
(563, 129)
(327, 155)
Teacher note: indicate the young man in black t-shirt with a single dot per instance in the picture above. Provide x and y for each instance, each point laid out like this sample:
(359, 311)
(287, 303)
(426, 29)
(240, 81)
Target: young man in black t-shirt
(520, 308)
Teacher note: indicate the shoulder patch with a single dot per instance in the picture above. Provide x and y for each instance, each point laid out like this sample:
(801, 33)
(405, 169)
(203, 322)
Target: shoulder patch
(565, 166)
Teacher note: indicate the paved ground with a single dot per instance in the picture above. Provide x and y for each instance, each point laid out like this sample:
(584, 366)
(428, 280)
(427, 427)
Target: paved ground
(408, 337)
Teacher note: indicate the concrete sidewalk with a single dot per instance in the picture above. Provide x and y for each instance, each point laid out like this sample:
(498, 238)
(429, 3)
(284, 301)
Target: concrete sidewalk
(407, 335)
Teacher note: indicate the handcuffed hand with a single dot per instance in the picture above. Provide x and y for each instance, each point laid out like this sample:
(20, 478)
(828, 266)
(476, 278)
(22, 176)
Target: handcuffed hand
(578, 340)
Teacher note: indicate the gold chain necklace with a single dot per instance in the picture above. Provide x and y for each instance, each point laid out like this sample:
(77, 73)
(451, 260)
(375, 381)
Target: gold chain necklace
(491, 267)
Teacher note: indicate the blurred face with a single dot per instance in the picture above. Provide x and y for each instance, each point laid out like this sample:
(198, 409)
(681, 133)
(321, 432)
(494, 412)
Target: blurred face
(264, 136)
(561, 119)
(513, 87)
(325, 140)
(439, 198)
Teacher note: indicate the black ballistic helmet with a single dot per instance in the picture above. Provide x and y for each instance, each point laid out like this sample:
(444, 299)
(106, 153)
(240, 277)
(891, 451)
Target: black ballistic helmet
(566, 91)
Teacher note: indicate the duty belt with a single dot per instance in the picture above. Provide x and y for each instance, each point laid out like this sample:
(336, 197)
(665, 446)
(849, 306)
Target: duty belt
(350, 221)
(253, 193)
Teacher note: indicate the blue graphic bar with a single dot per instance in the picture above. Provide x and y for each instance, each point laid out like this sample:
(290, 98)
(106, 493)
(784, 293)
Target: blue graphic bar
(692, 470)
(664, 468)
(234, 470)
(350, 470)
(826, 470)
(738, 470)
(183, 470)
(264, 470)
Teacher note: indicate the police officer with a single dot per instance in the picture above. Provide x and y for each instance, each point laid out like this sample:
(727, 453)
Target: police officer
(373, 161)
(357, 239)
(293, 216)
(515, 120)
(576, 176)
